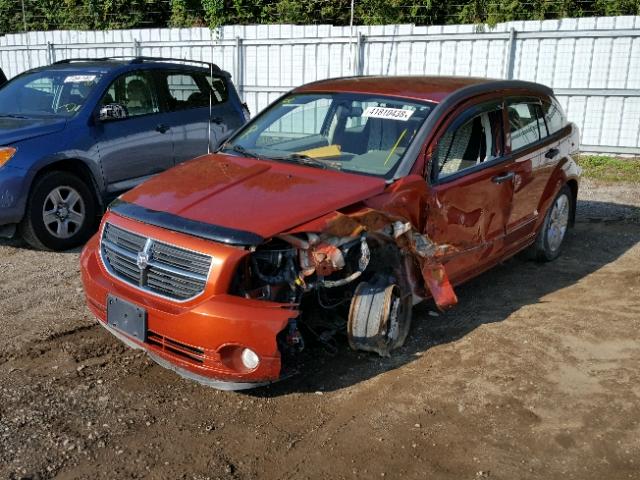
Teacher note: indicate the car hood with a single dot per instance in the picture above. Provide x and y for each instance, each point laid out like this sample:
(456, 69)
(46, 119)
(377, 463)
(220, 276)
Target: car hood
(14, 130)
(259, 196)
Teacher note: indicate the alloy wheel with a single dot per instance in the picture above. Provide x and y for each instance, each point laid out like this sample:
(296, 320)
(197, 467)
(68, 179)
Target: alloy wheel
(63, 212)
(558, 222)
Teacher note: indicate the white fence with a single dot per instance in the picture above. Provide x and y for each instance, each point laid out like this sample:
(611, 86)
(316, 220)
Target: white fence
(592, 63)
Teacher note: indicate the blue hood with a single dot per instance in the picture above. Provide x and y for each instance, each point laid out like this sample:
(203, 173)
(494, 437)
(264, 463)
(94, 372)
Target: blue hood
(14, 130)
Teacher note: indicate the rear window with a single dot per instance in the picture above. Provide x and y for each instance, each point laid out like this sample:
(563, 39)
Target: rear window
(194, 90)
(525, 124)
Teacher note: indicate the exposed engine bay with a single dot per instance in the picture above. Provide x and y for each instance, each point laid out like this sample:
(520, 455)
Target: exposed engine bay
(361, 276)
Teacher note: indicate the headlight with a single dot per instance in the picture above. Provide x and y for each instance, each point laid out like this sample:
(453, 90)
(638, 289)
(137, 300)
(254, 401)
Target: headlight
(6, 154)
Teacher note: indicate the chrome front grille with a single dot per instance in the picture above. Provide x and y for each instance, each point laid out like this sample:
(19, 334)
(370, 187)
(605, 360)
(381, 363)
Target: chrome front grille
(157, 267)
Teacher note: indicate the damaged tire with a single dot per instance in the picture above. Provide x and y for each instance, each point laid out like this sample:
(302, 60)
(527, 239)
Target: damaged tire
(379, 318)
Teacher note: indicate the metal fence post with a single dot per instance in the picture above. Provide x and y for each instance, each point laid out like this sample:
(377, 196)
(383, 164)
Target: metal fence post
(510, 55)
(137, 49)
(360, 54)
(239, 81)
(51, 53)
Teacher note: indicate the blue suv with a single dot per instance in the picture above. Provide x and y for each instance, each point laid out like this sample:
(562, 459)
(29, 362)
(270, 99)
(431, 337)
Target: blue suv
(75, 134)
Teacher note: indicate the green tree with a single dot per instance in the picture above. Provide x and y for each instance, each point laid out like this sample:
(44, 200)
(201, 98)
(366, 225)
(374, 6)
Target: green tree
(187, 13)
(112, 14)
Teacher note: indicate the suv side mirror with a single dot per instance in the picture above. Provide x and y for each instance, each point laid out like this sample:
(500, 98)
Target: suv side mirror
(112, 111)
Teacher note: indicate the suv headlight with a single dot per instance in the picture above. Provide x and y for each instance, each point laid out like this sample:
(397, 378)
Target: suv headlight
(6, 154)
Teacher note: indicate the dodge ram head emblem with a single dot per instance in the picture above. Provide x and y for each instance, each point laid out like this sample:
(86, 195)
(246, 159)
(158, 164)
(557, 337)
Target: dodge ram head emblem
(143, 260)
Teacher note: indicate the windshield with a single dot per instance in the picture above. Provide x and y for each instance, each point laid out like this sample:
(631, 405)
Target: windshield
(354, 132)
(60, 93)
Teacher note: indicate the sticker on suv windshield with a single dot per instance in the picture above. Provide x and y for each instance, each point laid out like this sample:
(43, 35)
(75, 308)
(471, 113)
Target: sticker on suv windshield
(389, 113)
(79, 79)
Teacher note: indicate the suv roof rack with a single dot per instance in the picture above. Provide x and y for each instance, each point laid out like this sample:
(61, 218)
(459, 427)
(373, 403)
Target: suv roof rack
(134, 59)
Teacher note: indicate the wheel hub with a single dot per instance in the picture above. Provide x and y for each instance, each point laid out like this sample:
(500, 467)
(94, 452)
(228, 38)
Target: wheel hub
(62, 212)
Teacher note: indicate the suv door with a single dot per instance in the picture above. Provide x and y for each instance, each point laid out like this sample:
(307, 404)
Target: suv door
(471, 188)
(133, 136)
(188, 95)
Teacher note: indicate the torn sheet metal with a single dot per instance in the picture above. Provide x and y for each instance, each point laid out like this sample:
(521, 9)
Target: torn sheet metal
(426, 253)
(398, 215)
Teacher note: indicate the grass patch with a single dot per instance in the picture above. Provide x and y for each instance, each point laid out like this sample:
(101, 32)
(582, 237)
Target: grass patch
(610, 169)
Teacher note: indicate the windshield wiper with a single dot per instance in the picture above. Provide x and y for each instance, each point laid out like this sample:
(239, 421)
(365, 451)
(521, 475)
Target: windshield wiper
(12, 115)
(242, 151)
(307, 160)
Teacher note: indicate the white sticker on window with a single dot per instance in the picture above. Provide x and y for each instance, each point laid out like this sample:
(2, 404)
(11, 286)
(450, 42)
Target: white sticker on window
(389, 113)
(79, 79)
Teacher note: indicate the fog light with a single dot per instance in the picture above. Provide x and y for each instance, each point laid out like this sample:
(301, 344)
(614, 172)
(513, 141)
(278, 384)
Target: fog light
(250, 359)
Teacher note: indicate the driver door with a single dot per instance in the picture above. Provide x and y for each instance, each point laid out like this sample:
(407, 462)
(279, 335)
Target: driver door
(471, 189)
(139, 144)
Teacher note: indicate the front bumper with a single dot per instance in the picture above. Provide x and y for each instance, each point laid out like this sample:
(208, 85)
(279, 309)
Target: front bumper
(13, 194)
(191, 338)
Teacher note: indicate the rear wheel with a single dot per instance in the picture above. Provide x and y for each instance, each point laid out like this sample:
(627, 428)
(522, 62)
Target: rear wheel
(549, 242)
(61, 212)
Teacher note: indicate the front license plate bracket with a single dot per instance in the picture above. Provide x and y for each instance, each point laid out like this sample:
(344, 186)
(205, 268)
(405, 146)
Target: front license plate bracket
(127, 318)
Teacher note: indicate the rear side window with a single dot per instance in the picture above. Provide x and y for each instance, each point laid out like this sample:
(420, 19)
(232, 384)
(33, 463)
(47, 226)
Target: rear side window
(554, 117)
(526, 124)
(193, 90)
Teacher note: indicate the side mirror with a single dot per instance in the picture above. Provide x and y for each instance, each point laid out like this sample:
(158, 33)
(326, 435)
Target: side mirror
(112, 111)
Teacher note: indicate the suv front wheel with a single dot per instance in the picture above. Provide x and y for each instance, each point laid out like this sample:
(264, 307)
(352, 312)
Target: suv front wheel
(61, 212)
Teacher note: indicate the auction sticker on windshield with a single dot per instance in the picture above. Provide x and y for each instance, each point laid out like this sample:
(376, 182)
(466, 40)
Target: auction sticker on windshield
(389, 113)
(79, 79)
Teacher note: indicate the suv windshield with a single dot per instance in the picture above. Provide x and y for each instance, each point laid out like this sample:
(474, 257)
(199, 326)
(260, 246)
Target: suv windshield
(354, 132)
(47, 93)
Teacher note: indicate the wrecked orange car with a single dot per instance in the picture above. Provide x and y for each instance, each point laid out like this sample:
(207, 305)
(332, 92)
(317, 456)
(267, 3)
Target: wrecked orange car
(335, 210)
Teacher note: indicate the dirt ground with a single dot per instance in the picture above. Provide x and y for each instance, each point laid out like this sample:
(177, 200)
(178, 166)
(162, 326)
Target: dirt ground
(535, 375)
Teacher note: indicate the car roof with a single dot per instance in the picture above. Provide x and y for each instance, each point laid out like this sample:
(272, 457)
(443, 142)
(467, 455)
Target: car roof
(111, 64)
(430, 88)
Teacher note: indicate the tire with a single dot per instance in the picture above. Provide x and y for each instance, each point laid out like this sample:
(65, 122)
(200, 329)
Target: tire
(379, 318)
(550, 239)
(69, 205)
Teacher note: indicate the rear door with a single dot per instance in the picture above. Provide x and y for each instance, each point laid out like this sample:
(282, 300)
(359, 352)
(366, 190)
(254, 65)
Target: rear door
(139, 143)
(188, 95)
(535, 155)
(471, 188)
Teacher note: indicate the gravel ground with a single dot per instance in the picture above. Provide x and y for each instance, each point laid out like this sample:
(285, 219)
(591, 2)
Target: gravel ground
(534, 375)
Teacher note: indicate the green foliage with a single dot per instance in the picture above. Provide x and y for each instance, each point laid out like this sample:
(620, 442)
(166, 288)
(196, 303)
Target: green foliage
(187, 13)
(610, 169)
(110, 14)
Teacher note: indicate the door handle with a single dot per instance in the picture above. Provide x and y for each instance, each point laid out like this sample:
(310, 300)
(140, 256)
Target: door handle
(505, 177)
(162, 128)
(552, 153)
(216, 120)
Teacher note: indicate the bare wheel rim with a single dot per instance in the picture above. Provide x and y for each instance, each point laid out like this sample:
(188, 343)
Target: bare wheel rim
(558, 222)
(63, 212)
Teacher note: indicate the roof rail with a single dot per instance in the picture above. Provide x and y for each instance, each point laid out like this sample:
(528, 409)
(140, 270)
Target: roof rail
(134, 59)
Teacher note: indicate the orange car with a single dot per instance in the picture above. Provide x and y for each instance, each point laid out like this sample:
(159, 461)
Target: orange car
(335, 210)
